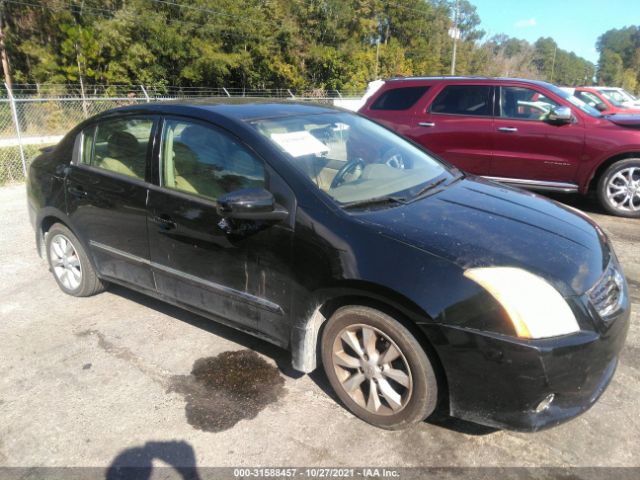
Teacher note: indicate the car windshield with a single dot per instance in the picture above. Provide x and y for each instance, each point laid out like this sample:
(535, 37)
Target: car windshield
(588, 109)
(353, 159)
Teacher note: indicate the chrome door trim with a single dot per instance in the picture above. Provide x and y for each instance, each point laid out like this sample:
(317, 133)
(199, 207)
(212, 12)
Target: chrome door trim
(201, 282)
(536, 184)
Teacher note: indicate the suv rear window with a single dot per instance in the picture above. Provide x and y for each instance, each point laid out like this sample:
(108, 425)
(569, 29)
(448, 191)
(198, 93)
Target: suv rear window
(464, 100)
(399, 98)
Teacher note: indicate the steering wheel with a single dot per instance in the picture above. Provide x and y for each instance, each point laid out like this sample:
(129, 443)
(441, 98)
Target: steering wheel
(393, 157)
(348, 168)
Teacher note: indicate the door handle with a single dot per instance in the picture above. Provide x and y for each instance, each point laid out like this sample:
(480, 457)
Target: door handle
(164, 221)
(507, 129)
(426, 124)
(77, 191)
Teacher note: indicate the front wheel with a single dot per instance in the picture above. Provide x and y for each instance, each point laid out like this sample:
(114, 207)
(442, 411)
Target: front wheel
(378, 368)
(619, 188)
(69, 263)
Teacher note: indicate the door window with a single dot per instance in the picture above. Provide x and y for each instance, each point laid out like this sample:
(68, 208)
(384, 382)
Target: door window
(118, 145)
(524, 104)
(588, 98)
(464, 100)
(87, 145)
(204, 161)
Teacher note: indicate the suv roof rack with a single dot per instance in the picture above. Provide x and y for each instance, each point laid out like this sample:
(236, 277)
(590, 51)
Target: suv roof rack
(465, 77)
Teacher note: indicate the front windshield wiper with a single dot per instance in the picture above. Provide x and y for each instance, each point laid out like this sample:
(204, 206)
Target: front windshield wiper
(385, 199)
(429, 186)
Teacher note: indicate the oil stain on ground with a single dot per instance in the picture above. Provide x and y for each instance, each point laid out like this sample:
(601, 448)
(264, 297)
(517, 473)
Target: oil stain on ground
(225, 389)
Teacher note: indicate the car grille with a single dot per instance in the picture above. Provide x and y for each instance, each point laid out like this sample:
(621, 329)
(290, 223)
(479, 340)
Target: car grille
(607, 295)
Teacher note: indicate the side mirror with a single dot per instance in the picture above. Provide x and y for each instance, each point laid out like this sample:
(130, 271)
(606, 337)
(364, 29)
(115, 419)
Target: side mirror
(250, 204)
(560, 115)
(601, 107)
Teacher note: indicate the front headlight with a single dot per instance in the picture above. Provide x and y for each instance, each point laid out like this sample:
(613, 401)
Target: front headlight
(536, 309)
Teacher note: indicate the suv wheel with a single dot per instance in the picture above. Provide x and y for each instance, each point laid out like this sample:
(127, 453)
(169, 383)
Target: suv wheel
(378, 368)
(69, 263)
(619, 188)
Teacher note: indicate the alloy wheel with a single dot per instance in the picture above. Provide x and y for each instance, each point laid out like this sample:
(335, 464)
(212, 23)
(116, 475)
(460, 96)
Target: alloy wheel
(372, 370)
(395, 161)
(623, 189)
(65, 262)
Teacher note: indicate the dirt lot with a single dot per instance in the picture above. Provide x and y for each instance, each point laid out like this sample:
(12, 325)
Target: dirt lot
(106, 381)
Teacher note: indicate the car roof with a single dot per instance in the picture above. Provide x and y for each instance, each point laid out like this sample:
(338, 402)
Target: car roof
(446, 78)
(600, 87)
(242, 109)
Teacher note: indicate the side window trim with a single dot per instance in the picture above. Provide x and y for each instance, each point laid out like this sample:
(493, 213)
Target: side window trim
(78, 148)
(492, 100)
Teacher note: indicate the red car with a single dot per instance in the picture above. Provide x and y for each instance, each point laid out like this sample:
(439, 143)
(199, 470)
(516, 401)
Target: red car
(607, 105)
(521, 132)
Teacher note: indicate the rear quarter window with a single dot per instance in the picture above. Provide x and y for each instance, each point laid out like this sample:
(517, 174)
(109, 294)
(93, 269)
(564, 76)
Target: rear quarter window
(399, 98)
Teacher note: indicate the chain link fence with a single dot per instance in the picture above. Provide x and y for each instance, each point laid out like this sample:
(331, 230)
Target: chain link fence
(36, 116)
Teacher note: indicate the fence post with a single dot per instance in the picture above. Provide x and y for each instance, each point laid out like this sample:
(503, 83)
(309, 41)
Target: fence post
(145, 93)
(14, 113)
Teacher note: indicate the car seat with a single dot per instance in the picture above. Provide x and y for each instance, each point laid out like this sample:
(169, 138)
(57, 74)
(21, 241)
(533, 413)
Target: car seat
(244, 171)
(510, 104)
(190, 175)
(123, 155)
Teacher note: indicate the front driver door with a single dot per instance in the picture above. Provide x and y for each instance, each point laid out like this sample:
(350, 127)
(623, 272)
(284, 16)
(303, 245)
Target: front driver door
(529, 147)
(240, 278)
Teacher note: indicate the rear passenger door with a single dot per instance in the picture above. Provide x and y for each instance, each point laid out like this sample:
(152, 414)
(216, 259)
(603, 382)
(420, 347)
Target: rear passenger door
(458, 126)
(106, 191)
(240, 277)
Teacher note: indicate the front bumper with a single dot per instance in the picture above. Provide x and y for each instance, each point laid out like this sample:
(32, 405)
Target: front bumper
(499, 381)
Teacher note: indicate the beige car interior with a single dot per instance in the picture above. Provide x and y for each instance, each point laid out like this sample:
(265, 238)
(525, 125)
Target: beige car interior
(202, 161)
(320, 169)
(123, 155)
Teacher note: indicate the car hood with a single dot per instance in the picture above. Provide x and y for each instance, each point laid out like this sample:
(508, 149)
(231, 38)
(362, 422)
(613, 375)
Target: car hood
(625, 120)
(476, 223)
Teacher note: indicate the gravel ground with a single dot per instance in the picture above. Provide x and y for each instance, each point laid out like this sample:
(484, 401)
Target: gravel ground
(107, 380)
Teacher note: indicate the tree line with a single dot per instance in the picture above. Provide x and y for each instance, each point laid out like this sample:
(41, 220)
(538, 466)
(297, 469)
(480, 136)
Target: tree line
(259, 44)
(619, 62)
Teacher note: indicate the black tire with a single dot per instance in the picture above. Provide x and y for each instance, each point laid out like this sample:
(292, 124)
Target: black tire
(605, 181)
(89, 283)
(421, 398)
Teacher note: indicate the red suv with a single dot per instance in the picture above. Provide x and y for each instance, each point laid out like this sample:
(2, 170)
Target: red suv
(521, 132)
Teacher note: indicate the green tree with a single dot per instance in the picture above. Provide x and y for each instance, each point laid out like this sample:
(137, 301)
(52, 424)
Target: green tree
(610, 68)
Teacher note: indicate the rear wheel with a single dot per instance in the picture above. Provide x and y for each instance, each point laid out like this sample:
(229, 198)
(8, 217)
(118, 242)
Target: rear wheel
(378, 368)
(619, 188)
(69, 263)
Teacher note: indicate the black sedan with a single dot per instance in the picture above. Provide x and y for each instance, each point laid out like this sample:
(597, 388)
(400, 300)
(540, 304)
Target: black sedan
(331, 236)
